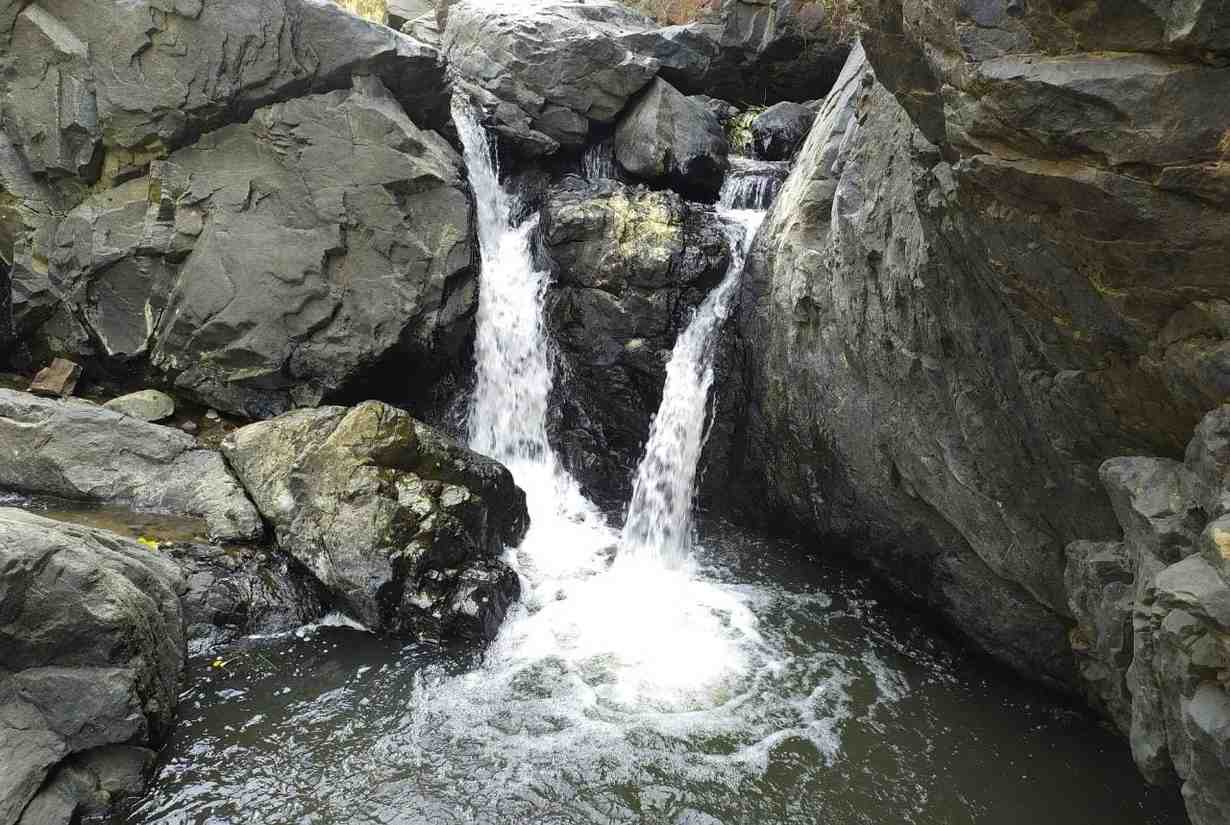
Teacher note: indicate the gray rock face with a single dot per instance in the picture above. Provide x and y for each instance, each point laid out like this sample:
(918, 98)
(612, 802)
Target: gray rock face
(946, 332)
(77, 450)
(779, 131)
(872, 412)
(763, 50)
(543, 74)
(91, 651)
(278, 260)
(387, 513)
(667, 138)
(630, 264)
(94, 91)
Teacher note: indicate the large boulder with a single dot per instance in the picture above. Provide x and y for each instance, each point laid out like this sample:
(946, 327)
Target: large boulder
(946, 331)
(544, 73)
(93, 91)
(77, 450)
(273, 262)
(673, 140)
(629, 264)
(400, 524)
(758, 51)
(91, 653)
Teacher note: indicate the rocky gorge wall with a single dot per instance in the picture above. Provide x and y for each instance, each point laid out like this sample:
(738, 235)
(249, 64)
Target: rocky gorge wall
(999, 263)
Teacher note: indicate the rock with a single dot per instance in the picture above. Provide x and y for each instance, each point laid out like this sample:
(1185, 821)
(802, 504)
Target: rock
(147, 405)
(543, 73)
(482, 596)
(873, 419)
(95, 92)
(92, 645)
(238, 591)
(189, 427)
(81, 451)
(1208, 456)
(667, 138)
(779, 131)
(211, 414)
(945, 335)
(59, 380)
(1100, 579)
(386, 512)
(90, 784)
(764, 50)
(350, 222)
(1157, 502)
(629, 265)
(376, 11)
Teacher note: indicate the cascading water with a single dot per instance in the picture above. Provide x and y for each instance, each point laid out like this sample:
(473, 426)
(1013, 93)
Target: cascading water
(658, 526)
(732, 689)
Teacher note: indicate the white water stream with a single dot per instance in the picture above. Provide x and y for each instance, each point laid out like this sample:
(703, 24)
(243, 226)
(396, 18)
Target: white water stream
(686, 638)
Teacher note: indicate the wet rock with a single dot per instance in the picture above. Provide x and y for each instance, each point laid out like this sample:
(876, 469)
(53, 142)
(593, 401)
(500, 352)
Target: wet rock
(350, 222)
(1208, 456)
(92, 646)
(59, 380)
(629, 266)
(779, 131)
(147, 405)
(77, 450)
(481, 598)
(236, 591)
(670, 139)
(542, 74)
(386, 512)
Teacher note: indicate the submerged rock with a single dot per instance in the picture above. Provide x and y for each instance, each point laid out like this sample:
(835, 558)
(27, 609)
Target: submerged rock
(78, 450)
(667, 138)
(388, 514)
(147, 405)
(91, 653)
(629, 266)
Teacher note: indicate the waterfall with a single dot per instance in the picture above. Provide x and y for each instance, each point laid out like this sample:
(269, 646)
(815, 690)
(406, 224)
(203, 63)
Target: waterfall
(513, 377)
(658, 526)
(598, 162)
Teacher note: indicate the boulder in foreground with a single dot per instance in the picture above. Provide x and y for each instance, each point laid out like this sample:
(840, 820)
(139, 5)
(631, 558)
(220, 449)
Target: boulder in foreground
(91, 650)
(401, 525)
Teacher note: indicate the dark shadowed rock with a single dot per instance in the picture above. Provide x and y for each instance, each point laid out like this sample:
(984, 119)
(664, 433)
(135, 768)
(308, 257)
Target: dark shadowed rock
(762, 51)
(481, 598)
(78, 450)
(276, 261)
(91, 651)
(630, 264)
(670, 139)
(236, 591)
(385, 511)
(779, 131)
